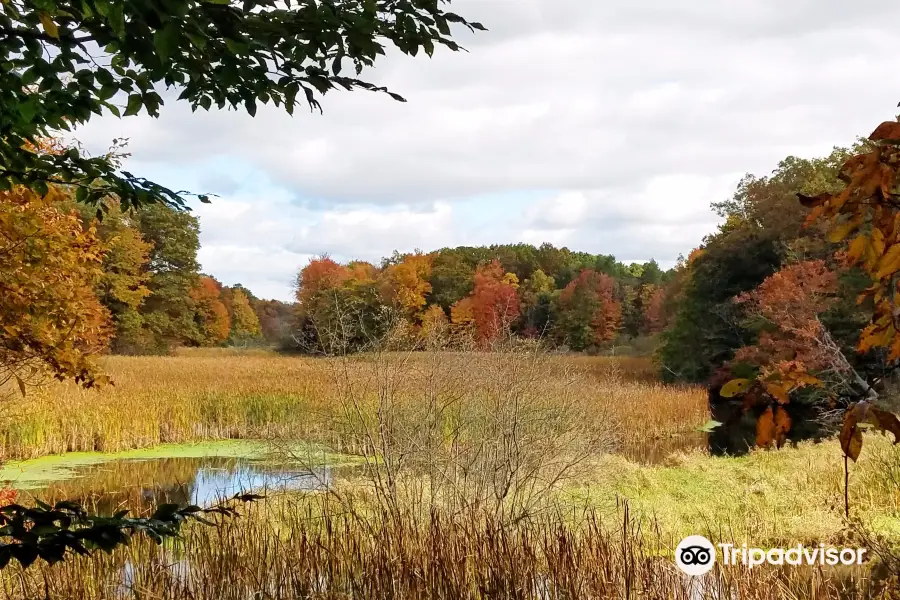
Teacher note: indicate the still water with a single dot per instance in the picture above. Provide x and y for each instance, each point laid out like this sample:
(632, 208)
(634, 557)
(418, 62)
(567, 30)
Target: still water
(142, 484)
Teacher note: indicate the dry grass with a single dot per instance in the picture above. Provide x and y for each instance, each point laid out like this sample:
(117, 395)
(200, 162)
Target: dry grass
(455, 427)
(295, 548)
(222, 394)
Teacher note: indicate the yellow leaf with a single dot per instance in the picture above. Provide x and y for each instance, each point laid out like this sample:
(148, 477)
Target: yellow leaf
(779, 393)
(735, 387)
(858, 247)
(49, 26)
(889, 263)
(841, 231)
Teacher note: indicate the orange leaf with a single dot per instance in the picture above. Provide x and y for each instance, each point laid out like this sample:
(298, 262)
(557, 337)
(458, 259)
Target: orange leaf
(782, 425)
(889, 131)
(851, 436)
(765, 428)
(841, 231)
(885, 421)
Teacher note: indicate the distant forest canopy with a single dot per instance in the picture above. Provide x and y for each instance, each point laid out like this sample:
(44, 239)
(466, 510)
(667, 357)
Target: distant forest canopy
(582, 301)
(762, 290)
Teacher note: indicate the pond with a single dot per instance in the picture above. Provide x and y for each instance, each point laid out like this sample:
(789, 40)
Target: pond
(200, 474)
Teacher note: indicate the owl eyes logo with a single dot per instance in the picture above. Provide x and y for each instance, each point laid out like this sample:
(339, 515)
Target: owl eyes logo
(695, 555)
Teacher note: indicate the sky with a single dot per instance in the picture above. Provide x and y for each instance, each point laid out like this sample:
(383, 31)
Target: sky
(608, 126)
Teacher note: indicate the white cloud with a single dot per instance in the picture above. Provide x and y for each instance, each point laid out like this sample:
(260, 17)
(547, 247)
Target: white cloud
(627, 117)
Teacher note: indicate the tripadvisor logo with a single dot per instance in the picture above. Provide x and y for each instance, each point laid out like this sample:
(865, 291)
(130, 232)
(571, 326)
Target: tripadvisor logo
(696, 555)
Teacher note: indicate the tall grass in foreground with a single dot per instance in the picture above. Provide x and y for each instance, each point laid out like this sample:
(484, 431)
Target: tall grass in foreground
(295, 549)
(214, 395)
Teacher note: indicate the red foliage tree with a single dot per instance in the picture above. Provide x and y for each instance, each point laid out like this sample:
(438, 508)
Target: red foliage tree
(590, 300)
(495, 303)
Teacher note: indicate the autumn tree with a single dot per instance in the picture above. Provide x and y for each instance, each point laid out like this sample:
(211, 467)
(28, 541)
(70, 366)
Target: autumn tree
(495, 302)
(339, 307)
(122, 288)
(435, 325)
(589, 312)
(51, 322)
(536, 300)
(653, 309)
(405, 284)
(462, 317)
(762, 230)
(213, 323)
(244, 322)
(275, 320)
(234, 54)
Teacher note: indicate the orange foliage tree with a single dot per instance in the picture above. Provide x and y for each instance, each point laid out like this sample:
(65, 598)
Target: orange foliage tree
(213, 320)
(867, 213)
(405, 284)
(51, 321)
(319, 274)
(495, 302)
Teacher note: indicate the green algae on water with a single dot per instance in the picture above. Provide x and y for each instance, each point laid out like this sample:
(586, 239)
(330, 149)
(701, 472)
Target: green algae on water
(37, 472)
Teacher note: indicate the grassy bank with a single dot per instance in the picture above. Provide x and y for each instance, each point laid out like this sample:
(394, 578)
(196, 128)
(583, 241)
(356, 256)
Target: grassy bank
(771, 498)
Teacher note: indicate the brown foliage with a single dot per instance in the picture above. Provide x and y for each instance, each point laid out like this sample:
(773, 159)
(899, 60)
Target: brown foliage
(867, 209)
(862, 413)
(50, 318)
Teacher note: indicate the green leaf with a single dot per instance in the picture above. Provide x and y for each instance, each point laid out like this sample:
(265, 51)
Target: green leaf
(29, 76)
(709, 426)
(166, 41)
(107, 91)
(28, 109)
(117, 18)
(134, 104)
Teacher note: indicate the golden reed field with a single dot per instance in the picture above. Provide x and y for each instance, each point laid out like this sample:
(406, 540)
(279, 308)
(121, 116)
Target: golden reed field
(476, 475)
(214, 394)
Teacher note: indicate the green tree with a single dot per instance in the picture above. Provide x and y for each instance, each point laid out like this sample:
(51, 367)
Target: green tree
(452, 278)
(763, 230)
(67, 60)
(536, 299)
(168, 312)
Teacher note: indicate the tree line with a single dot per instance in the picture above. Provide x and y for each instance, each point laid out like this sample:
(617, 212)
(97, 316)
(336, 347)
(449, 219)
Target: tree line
(582, 301)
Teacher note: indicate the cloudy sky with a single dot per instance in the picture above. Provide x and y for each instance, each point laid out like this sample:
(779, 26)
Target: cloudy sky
(603, 125)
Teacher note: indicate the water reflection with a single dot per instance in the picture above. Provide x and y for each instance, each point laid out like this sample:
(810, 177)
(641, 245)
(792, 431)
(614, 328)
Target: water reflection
(142, 484)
